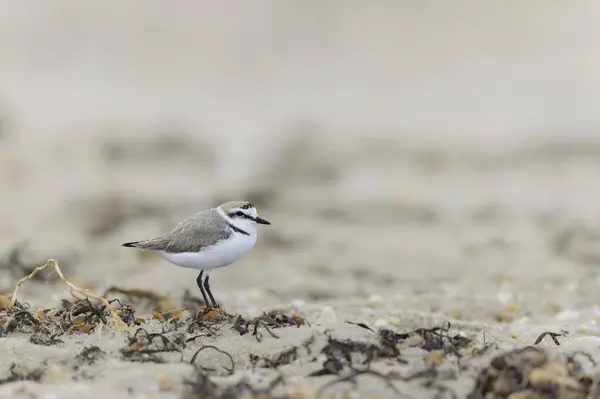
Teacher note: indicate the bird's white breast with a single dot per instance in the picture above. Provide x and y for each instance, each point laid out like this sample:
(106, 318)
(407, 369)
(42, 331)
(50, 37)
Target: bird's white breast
(223, 253)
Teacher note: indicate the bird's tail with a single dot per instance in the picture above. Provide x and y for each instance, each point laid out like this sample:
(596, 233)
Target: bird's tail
(133, 244)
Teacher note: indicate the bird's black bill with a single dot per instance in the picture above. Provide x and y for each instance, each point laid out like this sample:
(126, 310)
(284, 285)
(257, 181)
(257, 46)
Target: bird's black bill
(261, 220)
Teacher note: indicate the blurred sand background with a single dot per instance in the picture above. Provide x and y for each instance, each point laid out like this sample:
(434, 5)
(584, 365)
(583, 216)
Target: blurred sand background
(416, 159)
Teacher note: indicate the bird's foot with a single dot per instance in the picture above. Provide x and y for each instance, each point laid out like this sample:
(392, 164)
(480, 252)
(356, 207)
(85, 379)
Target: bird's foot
(211, 313)
(210, 308)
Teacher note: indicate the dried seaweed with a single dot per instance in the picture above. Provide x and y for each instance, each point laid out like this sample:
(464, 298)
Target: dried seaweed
(343, 354)
(208, 322)
(125, 312)
(361, 325)
(201, 387)
(115, 321)
(229, 370)
(206, 328)
(532, 372)
(144, 347)
(80, 316)
(388, 379)
(172, 317)
(31, 375)
(550, 334)
(436, 338)
(349, 359)
(442, 391)
(268, 321)
(284, 357)
(143, 298)
(258, 335)
(339, 354)
(39, 339)
(90, 355)
(346, 360)
(350, 374)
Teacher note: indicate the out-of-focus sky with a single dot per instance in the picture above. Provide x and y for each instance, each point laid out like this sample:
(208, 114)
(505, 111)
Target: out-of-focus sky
(429, 68)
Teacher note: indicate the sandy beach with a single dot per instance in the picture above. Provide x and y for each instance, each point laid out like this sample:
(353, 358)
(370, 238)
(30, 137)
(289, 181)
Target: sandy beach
(431, 184)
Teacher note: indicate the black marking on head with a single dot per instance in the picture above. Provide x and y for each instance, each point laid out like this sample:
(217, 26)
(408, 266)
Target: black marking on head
(239, 215)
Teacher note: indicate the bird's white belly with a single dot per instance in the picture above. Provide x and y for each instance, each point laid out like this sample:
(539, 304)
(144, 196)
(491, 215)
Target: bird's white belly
(222, 254)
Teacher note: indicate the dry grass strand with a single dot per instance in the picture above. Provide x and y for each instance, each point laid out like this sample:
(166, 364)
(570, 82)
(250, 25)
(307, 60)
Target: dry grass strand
(115, 322)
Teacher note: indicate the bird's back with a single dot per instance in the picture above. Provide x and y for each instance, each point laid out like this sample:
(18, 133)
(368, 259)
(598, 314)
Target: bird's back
(199, 231)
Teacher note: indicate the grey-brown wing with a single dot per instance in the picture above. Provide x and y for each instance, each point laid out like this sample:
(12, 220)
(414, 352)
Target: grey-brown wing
(199, 231)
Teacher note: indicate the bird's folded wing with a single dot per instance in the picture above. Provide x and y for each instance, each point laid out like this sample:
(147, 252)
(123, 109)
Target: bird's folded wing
(191, 235)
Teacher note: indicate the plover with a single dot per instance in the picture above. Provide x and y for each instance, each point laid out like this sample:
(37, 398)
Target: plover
(210, 239)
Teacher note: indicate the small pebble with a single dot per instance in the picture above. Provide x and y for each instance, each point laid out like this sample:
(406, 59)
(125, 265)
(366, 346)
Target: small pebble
(504, 297)
(414, 352)
(327, 317)
(252, 377)
(4, 302)
(512, 308)
(381, 323)
(253, 311)
(298, 303)
(254, 295)
(567, 315)
(435, 357)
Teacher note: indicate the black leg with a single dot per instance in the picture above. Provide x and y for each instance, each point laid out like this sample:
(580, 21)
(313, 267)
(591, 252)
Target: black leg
(207, 288)
(199, 282)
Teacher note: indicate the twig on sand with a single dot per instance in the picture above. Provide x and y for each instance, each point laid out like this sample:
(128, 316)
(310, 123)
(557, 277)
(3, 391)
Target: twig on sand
(115, 322)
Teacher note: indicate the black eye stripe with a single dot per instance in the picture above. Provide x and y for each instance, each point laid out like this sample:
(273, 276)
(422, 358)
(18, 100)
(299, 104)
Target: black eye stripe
(239, 214)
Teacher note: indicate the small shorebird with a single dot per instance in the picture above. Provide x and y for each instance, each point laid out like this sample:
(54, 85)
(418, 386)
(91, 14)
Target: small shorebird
(212, 238)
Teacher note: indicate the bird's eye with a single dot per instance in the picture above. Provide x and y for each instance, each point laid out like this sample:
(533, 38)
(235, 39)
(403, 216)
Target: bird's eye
(239, 213)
